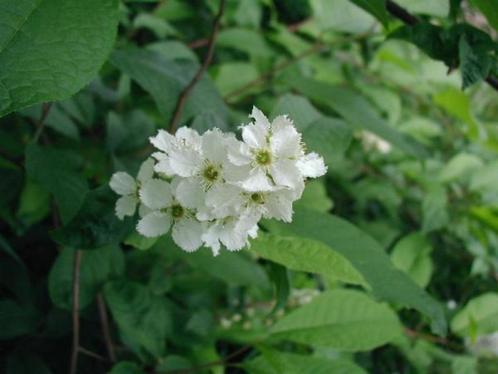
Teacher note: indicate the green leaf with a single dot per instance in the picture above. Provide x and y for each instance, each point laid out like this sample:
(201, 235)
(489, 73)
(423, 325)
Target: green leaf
(246, 40)
(276, 362)
(315, 197)
(475, 61)
(298, 108)
(439, 8)
(164, 79)
(232, 75)
(412, 255)
(341, 16)
(17, 320)
(62, 43)
(57, 172)
(368, 258)
(376, 8)
(308, 255)
(435, 209)
(280, 278)
(356, 110)
(480, 313)
(341, 319)
(97, 267)
(126, 367)
(144, 320)
(34, 204)
(490, 9)
(460, 167)
(96, 224)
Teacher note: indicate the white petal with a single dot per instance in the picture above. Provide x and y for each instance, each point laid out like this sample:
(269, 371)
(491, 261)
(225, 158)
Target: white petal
(143, 210)
(213, 146)
(189, 137)
(125, 206)
(190, 193)
(185, 162)
(123, 183)
(163, 141)
(286, 173)
(257, 181)
(255, 135)
(278, 207)
(156, 194)
(259, 117)
(211, 237)
(312, 166)
(224, 199)
(239, 153)
(146, 170)
(187, 234)
(285, 141)
(154, 224)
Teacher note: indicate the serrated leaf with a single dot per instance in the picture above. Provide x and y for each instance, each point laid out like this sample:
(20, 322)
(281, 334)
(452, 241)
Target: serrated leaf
(341, 319)
(61, 43)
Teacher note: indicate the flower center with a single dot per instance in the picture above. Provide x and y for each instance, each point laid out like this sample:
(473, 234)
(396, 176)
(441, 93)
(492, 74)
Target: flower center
(263, 157)
(258, 198)
(211, 173)
(177, 211)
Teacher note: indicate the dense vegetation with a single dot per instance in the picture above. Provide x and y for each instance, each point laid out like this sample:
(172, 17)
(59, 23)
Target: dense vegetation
(391, 262)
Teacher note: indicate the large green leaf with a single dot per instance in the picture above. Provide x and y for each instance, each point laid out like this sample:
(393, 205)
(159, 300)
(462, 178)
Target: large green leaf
(308, 255)
(57, 172)
(342, 319)
(276, 362)
(438, 8)
(164, 79)
(143, 319)
(50, 49)
(368, 258)
(356, 110)
(97, 267)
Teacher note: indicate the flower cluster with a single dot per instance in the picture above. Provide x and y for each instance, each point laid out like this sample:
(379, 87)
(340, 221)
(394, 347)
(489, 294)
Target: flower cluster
(213, 189)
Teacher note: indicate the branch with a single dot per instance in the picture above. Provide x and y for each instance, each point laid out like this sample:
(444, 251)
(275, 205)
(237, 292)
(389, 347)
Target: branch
(406, 17)
(104, 320)
(76, 306)
(188, 89)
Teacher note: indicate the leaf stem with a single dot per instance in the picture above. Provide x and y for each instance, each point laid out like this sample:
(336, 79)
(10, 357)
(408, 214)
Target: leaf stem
(76, 306)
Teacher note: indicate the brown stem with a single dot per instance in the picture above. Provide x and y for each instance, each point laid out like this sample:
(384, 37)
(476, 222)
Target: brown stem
(91, 354)
(406, 17)
(209, 56)
(76, 306)
(104, 320)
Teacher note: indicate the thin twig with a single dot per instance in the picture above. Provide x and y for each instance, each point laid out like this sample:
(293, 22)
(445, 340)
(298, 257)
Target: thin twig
(432, 339)
(104, 321)
(76, 306)
(406, 17)
(222, 362)
(40, 125)
(188, 89)
(92, 354)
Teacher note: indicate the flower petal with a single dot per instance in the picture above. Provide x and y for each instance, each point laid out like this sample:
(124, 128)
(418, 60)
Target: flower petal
(187, 234)
(311, 166)
(146, 170)
(154, 224)
(125, 206)
(156, 194)
(211, 237)
(185, 162)
(123, 183)
(259, 117)
(257, 181)
(238, 153)
(213, 146)
(189, 137)
(285, 141)
(278, 207)
(163, 141)
(190, 193)
(224, 200)
(286, 173)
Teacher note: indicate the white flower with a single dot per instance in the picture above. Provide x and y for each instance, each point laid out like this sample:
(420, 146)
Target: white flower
(125, 185)
(271, 151)
(166, 211)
